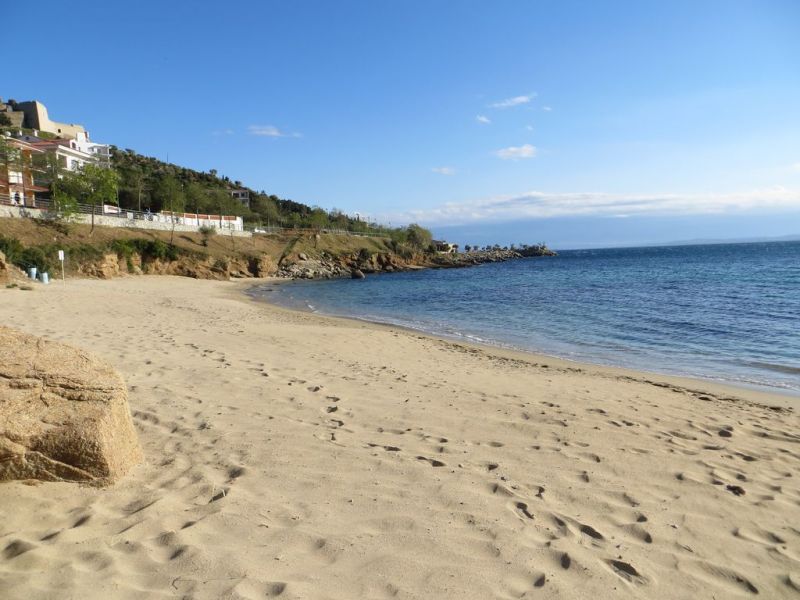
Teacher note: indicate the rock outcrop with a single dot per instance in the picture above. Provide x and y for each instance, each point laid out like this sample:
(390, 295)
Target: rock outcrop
(64, 414)
(5, 272)
(106, 267)
(8, 272)
(359, 264)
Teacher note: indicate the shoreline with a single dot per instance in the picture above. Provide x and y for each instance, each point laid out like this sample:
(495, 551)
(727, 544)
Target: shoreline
(776, 395)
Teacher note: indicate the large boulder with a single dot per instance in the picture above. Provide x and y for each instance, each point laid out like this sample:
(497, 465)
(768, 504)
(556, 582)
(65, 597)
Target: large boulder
(63, 414)
(5, 271)
(8, 272)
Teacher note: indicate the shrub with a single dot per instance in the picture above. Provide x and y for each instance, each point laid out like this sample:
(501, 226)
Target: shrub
(207, 231)
(418, 237)
(11, 247)
(23, 257)
(34, 257)
(123, 248)
(147, 249)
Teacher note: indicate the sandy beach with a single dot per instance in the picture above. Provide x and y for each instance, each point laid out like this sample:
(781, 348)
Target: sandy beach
(298, 456)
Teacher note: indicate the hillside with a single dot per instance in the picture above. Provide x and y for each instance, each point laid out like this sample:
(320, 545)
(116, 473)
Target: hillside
(109, 252)
(147, 182)
(28, 242)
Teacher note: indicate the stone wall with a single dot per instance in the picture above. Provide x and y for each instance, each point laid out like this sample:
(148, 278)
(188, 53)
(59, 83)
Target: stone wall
(36, 117)
(106, 221)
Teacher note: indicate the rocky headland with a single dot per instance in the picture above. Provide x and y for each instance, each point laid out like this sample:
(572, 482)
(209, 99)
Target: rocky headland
(358, 265)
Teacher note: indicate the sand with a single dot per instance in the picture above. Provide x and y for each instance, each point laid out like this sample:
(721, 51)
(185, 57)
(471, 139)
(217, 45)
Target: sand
(296, 456)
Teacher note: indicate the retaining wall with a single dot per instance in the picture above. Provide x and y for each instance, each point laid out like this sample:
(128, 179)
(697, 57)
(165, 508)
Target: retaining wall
(107, 221)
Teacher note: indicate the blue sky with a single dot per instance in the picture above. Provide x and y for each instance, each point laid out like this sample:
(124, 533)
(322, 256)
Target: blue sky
(540, 115)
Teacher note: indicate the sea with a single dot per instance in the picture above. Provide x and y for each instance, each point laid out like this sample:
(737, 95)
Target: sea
(724, 312)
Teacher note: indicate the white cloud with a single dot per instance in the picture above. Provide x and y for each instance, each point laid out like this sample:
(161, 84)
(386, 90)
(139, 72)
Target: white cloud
(542, 205)
(222, 132)
(444, 170)
(546, 108)
(796, 167)
(528, 127)
(483, 119)
(515, 101)
(270, 131)
(516, 152)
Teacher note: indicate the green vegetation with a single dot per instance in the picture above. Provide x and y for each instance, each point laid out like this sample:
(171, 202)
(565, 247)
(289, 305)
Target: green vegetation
(43, 256)
(90, 184)
(148, 183)
(206, 232)
(143, 183)
(24, 257)
(147, 249)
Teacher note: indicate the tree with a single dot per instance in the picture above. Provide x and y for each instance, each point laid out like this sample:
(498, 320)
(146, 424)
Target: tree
(89, 184)
(318, 219)
(266, 208)
(63, 196)
(169, 195)
(5, 121)
(100, 185)
(196, 197)
(419, 237)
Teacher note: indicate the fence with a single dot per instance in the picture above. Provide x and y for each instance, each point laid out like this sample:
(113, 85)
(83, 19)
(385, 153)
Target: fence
(113, 216)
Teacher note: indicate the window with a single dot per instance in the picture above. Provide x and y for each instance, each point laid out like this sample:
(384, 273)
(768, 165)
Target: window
(15, 177)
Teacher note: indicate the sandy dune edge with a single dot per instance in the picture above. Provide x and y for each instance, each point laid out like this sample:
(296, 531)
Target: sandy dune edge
(296, 456)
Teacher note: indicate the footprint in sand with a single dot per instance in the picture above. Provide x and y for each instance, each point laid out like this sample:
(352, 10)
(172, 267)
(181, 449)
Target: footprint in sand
(433, 462)
(591, 532)
(523, 509)
(626, 571)
(387, 448)
(16, 548)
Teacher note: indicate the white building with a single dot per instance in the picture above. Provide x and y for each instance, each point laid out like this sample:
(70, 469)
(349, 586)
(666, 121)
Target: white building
(73, 154)
(100, 152)
(221, 222)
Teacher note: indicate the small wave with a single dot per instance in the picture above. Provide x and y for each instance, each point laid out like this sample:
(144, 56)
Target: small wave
(778, 368)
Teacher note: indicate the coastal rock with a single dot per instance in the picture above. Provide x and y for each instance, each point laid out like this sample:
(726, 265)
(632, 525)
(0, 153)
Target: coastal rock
(4, 271)
(105, 268)
(8, 272)
(63, 414)
(357, 274)
(263, 266)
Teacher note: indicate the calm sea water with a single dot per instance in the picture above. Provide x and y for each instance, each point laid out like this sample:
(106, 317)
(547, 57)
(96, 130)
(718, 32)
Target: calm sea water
(728, 312)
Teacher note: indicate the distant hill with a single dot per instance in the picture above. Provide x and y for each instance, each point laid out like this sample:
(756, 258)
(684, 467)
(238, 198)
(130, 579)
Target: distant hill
(746, 240)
